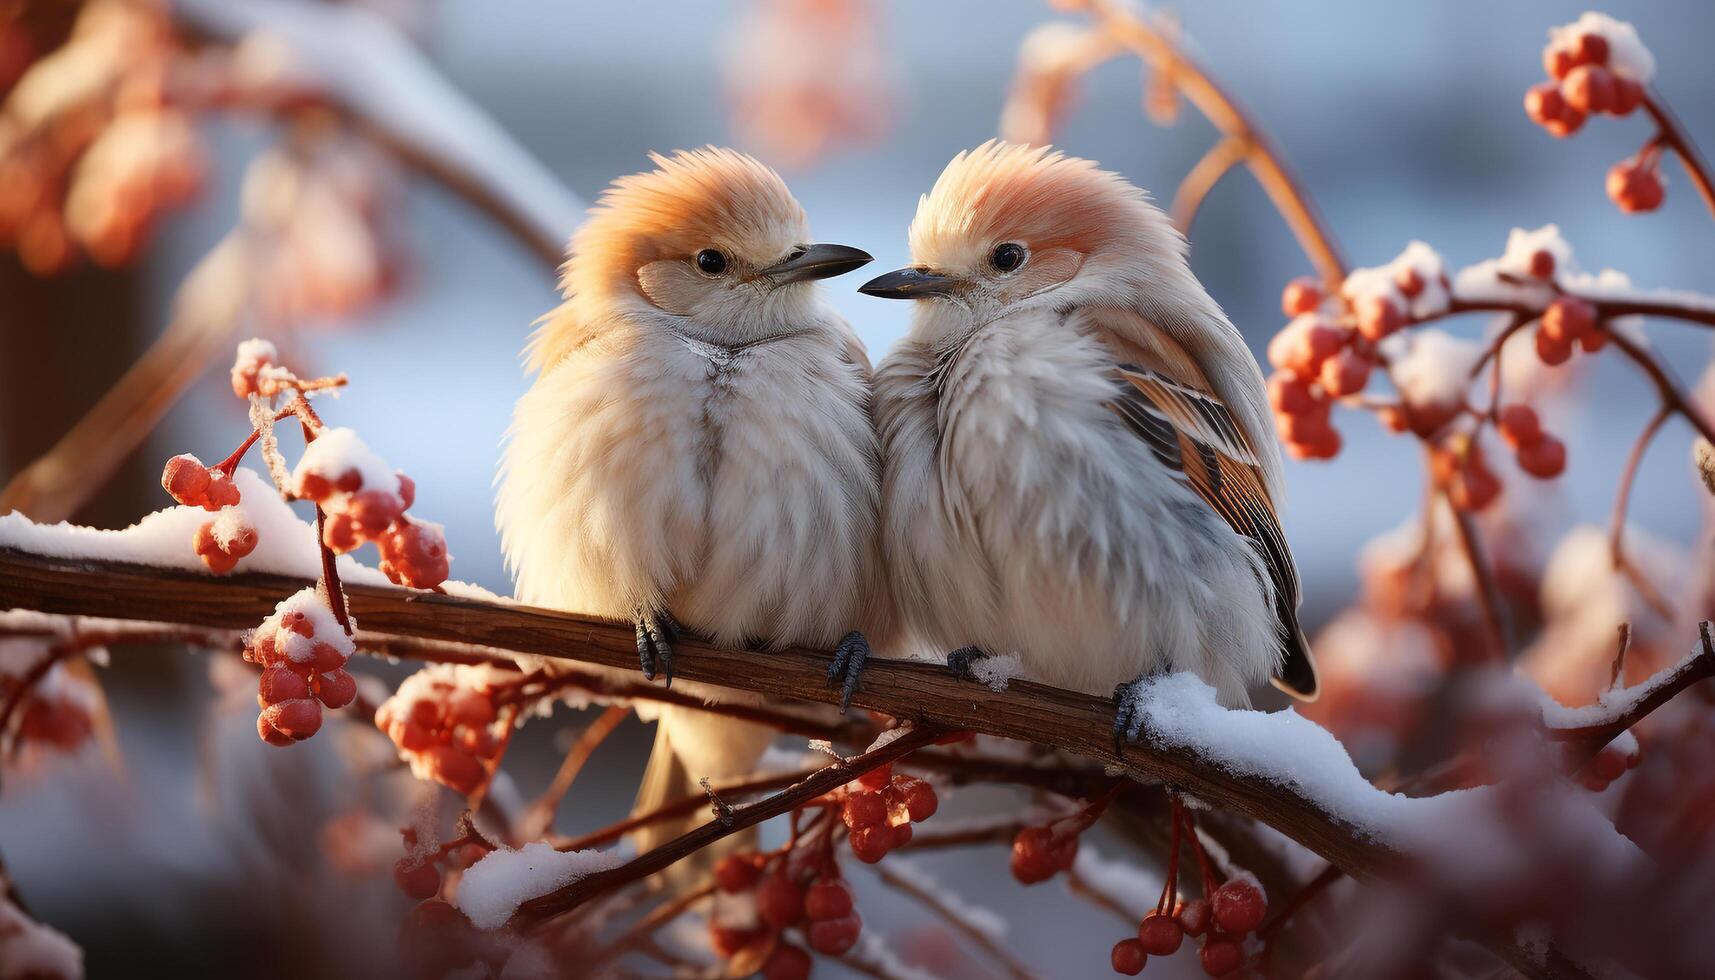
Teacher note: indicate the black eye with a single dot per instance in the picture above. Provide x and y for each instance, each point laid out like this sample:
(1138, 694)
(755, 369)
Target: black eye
(711, 262)
(1008, 256)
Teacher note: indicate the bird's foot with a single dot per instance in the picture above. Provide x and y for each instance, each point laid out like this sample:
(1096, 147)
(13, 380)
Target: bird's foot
(1128, 711)
(656, 634)
(962, 662)
(849, 658)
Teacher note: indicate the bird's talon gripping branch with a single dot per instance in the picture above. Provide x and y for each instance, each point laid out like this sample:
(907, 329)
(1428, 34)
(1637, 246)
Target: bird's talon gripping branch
(656, 634)
(962, 661)
(1128, 712)
(849, 658)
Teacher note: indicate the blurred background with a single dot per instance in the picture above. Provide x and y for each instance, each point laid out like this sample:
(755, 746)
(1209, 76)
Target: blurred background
(1404, 121)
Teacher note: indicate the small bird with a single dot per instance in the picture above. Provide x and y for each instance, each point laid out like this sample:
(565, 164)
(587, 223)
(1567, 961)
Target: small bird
(1078, 461)
(698, 449)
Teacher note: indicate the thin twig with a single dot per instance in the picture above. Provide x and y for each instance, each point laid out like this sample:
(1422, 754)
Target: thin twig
(1676, 138)
(1221, 158)
(958, 922)
(540, 816)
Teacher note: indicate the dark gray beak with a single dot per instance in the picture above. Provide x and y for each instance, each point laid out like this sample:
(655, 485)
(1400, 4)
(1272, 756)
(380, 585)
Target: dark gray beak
(909, 283)
(817, 262)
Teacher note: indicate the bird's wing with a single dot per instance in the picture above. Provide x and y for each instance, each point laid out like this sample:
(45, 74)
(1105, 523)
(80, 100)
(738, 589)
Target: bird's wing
(1165, 398)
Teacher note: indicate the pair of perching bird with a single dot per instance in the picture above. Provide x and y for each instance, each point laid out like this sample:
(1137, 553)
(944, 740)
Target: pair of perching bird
(1069, 456)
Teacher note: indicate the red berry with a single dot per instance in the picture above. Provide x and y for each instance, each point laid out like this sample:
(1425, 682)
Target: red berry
(1377, 317)
(863, 810)
(737, 873)
(1473, 487)
(871, 844)
(1544, 459)
(1635, 187)
(1289, 393)
(336, 689)
(1302, 295)
(270, 734)
(473, 708)
(1316, 345)
(1552, 350)
(1128, 957)
(185, 479)
(1589, 49)
(350, 481)
(779, 902)
(1544, 104)
(1588, 89)
(296, 720)
(1628, 95)
(279, 683)
(1238, 906)
(835, 937)
(1556, 61)
(1194, 917)
(1031, 858)
(1221, 956)
(407, 490)
(1393, 418)
(1594, 341)
(341, 534)
(1568, 318)
(208, 548)
(1408, 281)
(325, 657)
(727, 942)
(1542, 263)
(1344, 374)
(221, 492)
(1159, 934)
(1568, 122)
(901, 835)
(455, 768)
(414, 554)
(828, 898)
(1324, 445)
(787, 962)
(920, 799)
(877, 780)
(417, 879)
(313, 486)
(1519, 425)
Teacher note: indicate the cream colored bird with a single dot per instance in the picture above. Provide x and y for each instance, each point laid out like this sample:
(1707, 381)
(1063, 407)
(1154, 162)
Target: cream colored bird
(698, 448)
(1079, 464)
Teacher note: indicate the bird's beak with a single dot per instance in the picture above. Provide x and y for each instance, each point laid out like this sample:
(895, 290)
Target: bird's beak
(909, 283)
(817, 262)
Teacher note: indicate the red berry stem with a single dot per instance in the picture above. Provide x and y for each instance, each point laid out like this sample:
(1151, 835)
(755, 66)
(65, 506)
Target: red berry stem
(1673, 135)
(1210, 879)
(1170, 887)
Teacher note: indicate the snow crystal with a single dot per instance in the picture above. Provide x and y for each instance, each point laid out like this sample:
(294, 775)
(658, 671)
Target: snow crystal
(1383, 281)
(1435, 366)
(494, 887)
(338, 451)
(1488, 281)
(886, 738)
(1627, 54)
(308, 603)
(997, 671)
(257, 351)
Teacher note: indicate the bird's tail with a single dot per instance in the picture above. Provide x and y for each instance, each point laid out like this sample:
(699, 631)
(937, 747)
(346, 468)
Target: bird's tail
(1297, 673)
(692, 745)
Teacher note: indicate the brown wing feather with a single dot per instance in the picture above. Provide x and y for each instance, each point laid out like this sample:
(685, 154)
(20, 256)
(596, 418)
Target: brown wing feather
(1190, 430)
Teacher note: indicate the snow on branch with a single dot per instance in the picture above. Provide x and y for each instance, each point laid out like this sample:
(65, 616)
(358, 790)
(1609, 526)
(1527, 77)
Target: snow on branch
(363, 64)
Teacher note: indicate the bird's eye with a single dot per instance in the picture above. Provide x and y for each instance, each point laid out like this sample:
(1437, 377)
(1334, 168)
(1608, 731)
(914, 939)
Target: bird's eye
(711, 262)
(1007, 256)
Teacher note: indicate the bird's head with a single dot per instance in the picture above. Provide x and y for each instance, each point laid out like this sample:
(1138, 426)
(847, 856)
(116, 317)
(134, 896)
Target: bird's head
(1010, 226)
(711, 236)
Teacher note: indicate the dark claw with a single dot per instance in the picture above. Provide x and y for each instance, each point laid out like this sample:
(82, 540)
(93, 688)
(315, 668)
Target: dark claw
(961, 660)
(1126, 714)
(656, 634)
(849, 659)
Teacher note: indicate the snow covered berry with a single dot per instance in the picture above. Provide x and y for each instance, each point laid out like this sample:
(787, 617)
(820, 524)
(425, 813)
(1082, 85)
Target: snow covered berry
(828, 898)
(1588, 89)
(1193, 917)
(253, 356)
(191, 483)
(444, 723)
(1238, 906)
(864, 809)
(835, 937)
(302, 650)
(222, 542)
(414, 554)
(1128, 957)
(1378, 316)
(361, 495)
(1346, 373)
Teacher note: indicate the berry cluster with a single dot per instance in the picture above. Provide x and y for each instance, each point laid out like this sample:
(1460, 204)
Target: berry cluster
(1598, 66)
(58, 710)
(1568, 320)
(302, 649)
(1233, 911)
(254, 356)
(220, 543)
(879, 813)
(444, 721)
(366, 501)
(809, 896)
(1041, 852)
